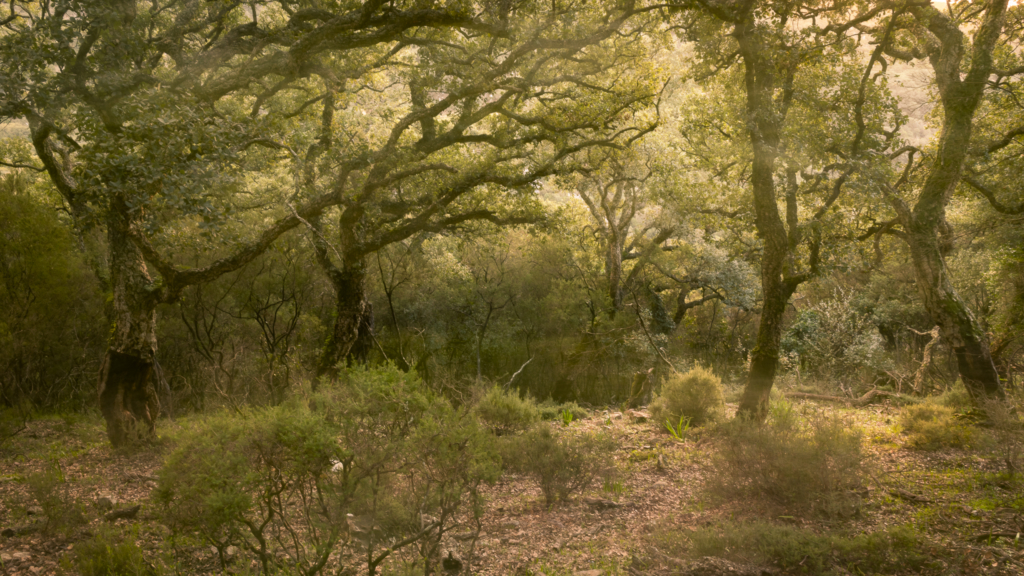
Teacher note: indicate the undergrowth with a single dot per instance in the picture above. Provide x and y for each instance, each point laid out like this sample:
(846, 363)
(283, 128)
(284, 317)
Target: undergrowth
(108, 554)
(812, 464)
(930, 426)
(802, 551)
(696, 396)
(560, 464)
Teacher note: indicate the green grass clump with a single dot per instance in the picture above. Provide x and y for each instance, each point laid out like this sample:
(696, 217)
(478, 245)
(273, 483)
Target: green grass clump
(932, 426)
(504, 412)
(552, 411)
(802, 551)
(105, 554)
(956, 397)
(696, 395)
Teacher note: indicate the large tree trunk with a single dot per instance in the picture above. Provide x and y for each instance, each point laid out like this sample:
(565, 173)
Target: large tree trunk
(764, 358)
(765, 122)
(128, 399)
(960, 96)
(958, 325)
(352, 335)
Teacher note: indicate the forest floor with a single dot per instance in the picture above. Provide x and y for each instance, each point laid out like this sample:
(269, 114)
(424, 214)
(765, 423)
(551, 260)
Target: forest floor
(964, 518)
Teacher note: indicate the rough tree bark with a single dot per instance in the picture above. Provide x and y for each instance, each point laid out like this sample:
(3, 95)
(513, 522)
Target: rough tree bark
(128, 398)
(351, 336)
(765, 117)
(944, 44)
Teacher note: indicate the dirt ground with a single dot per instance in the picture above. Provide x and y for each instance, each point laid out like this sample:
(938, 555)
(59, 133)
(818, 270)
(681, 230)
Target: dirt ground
(972, 526)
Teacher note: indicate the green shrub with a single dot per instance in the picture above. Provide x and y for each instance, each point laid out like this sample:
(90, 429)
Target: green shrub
(105, 554)
(281, 482)
(1005, 430)
(560, 464)
(813, 465)
(504, 412)
(932, 426)
(52, 492)
(957, 397)
(551, 411)
(799, 550)
(696, 395)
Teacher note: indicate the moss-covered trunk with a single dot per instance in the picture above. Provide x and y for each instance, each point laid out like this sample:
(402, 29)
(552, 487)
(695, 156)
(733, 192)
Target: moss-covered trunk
(765, 118)
(128, 398)
(351, 336)
(948, 310)
(960, 95)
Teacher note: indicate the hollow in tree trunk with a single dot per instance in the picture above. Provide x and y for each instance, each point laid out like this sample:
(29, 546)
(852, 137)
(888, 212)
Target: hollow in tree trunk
(128, 398)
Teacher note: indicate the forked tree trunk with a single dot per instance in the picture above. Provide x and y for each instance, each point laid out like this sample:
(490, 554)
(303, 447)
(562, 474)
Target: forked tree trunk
(352, 335)
(128, 398)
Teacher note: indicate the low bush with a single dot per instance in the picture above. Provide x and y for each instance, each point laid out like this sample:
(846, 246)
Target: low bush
(560, 464)
(504, 412)
(696, 395)
(930, 426)
(813, 464)
(62, 511)
(551, 411)
(799, 550)
(108, 554)
(957, 397)
(281, 483)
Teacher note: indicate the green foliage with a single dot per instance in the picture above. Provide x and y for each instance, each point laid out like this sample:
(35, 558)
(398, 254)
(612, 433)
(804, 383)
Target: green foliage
(931, 426)
(802, 551)
(679, 430)
(560, 464)
(505, 412)
(552, 411)
(696, 395)
(51, 309)
(567, 417)
(108, 554)
(1006, 429)
(836, 338)
(957, 397)
(377, 445)
(804, 465)
(62, 510)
